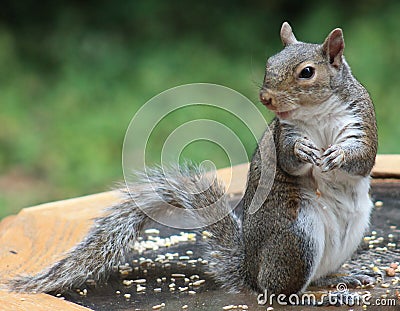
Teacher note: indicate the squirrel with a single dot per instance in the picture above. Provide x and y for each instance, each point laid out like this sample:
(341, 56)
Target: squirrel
(311, 221)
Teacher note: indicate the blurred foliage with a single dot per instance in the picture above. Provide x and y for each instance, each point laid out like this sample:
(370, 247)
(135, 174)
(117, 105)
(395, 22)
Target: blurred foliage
(74, 73)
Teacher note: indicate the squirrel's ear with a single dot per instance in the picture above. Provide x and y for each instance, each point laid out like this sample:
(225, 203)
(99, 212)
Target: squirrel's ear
(287, 35)
(333, 47)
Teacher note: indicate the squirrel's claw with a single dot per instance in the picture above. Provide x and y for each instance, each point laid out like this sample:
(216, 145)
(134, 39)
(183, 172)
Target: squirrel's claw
(306, 151)
(332, 158)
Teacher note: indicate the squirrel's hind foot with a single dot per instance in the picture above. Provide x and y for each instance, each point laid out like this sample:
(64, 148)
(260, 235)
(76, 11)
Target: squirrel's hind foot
(344, 281)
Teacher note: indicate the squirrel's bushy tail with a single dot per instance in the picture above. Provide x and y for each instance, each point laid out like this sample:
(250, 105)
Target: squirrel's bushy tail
(111, 236)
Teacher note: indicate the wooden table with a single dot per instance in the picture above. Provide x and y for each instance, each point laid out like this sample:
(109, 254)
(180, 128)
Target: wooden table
(39, 235)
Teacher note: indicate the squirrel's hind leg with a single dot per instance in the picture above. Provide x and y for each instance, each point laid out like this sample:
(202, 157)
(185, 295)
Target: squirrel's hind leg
(286, 267)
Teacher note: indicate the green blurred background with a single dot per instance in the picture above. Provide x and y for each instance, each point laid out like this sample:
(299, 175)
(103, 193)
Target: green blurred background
(73, 74)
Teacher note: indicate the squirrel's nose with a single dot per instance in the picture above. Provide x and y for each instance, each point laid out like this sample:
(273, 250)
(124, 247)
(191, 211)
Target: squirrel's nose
(266, 99)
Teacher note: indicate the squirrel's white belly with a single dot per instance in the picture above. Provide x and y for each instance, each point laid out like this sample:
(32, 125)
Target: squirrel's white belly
(337, 205)
(341, 209)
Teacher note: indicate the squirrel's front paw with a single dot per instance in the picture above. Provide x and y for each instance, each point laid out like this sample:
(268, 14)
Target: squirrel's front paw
(332, 158)
(306, 151)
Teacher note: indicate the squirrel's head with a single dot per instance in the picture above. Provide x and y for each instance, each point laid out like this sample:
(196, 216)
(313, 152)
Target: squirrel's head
(302, 74)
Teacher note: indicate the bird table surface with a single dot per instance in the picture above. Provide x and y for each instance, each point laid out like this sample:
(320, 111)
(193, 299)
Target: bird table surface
(40, 235)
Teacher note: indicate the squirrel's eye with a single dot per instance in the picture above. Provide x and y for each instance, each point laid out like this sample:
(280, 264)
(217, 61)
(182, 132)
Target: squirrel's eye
(307, 72)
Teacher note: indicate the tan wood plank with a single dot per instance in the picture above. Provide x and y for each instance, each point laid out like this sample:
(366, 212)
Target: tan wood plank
(40, 302)
(40, 235)
(387, 166)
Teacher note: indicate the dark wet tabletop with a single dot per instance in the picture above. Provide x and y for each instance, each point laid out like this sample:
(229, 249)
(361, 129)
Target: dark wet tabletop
(166, 271)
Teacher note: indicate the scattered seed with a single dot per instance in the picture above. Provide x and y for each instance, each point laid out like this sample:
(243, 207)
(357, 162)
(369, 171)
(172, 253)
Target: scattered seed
(140, 288)
(191, 292)
(230, 307)
(177, 275)
(124, 270)
(206, 234)
(127, 296)
(390, 272)
(378, 204)
(139, 281)
(184, 306)
(157, 289)
(152, 231)
(198, 283)
(161, 305)
(191, 236)
(127, 282)
(376, 269)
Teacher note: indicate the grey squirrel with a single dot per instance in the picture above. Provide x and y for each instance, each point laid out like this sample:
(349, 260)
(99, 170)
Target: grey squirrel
(312, 219)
